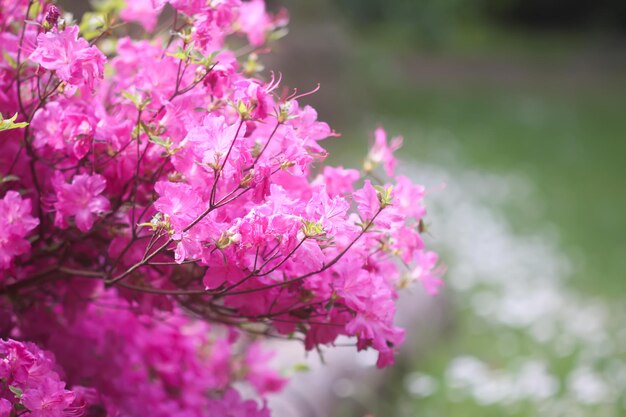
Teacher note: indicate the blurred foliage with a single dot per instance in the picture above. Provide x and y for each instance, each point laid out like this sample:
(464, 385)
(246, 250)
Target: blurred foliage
(572, 14)
(435, 22)
(429, 22)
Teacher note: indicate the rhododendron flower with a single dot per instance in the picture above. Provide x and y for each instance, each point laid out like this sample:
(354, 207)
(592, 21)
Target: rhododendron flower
(212, 141)
(145, 12)
(74, 61)
(66, 124)
(258, 370)
(408, 197)
(179, 202)
(49, 399)
(212, 21)
(371, 331)
(367, 200)
(427, 272)
(5, 407)
(189, 7)
(382, 152)
(339, 180)
(371, 206)
(29, 371)
(16, 222)
(79, 199)
(232, 405)
(254, 21)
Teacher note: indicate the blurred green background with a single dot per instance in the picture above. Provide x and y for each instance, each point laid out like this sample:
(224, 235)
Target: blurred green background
(534, 90)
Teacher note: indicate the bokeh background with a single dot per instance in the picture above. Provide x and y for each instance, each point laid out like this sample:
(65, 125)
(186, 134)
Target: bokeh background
(514, 114)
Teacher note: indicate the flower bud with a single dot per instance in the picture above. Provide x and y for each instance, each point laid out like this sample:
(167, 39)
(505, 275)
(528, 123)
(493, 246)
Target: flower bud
(51, 18)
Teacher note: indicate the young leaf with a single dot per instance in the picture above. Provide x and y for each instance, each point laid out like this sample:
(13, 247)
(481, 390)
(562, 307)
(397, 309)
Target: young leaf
(8, 124)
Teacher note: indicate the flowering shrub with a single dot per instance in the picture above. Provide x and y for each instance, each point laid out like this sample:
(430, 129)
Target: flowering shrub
(162, 204)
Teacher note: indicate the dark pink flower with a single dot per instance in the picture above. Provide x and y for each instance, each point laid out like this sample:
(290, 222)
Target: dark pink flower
(49, 399)
(80, 199)
(74, 61)
(52, 15)
(16, 222)
(5, 407)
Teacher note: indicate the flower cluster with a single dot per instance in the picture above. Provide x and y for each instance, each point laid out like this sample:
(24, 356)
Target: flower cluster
(153, 221)
(16, 223)
(29, 382)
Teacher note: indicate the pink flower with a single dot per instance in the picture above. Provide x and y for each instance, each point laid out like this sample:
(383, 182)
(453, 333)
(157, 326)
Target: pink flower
(222, 74)
(5, 407)
(258, 370)
(254, 96)
(212, 140)
(371, 331)
(189, 7)
(145, 12)
(254, 21)
(15, 362)
(74, 61)
(80, 199)
(15, 224)
(382, 153)
(338, 180)
(407, 242)
(65, 125)
(179, 202)
(409, 197)
(355, 287)
(26, 367)
(367, 201)
(48, 399)
(212, 23)
(426, 272)
(232, 405)
(330, 212)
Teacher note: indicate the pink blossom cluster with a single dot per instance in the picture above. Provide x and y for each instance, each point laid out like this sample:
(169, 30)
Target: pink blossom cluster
(166, 204)
(16, 223)
(166, 362)
(29, 381)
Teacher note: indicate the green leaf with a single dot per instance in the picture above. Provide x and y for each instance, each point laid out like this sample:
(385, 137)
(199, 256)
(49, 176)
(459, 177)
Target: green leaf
(179, 54)
(384, 195)
(8, 124)
(9, 178)
(108, 6)
(136, 99)
(165, 142)
(312, 229)
(15, 390)
(9, 59)
(92, 24)
(301, 367)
